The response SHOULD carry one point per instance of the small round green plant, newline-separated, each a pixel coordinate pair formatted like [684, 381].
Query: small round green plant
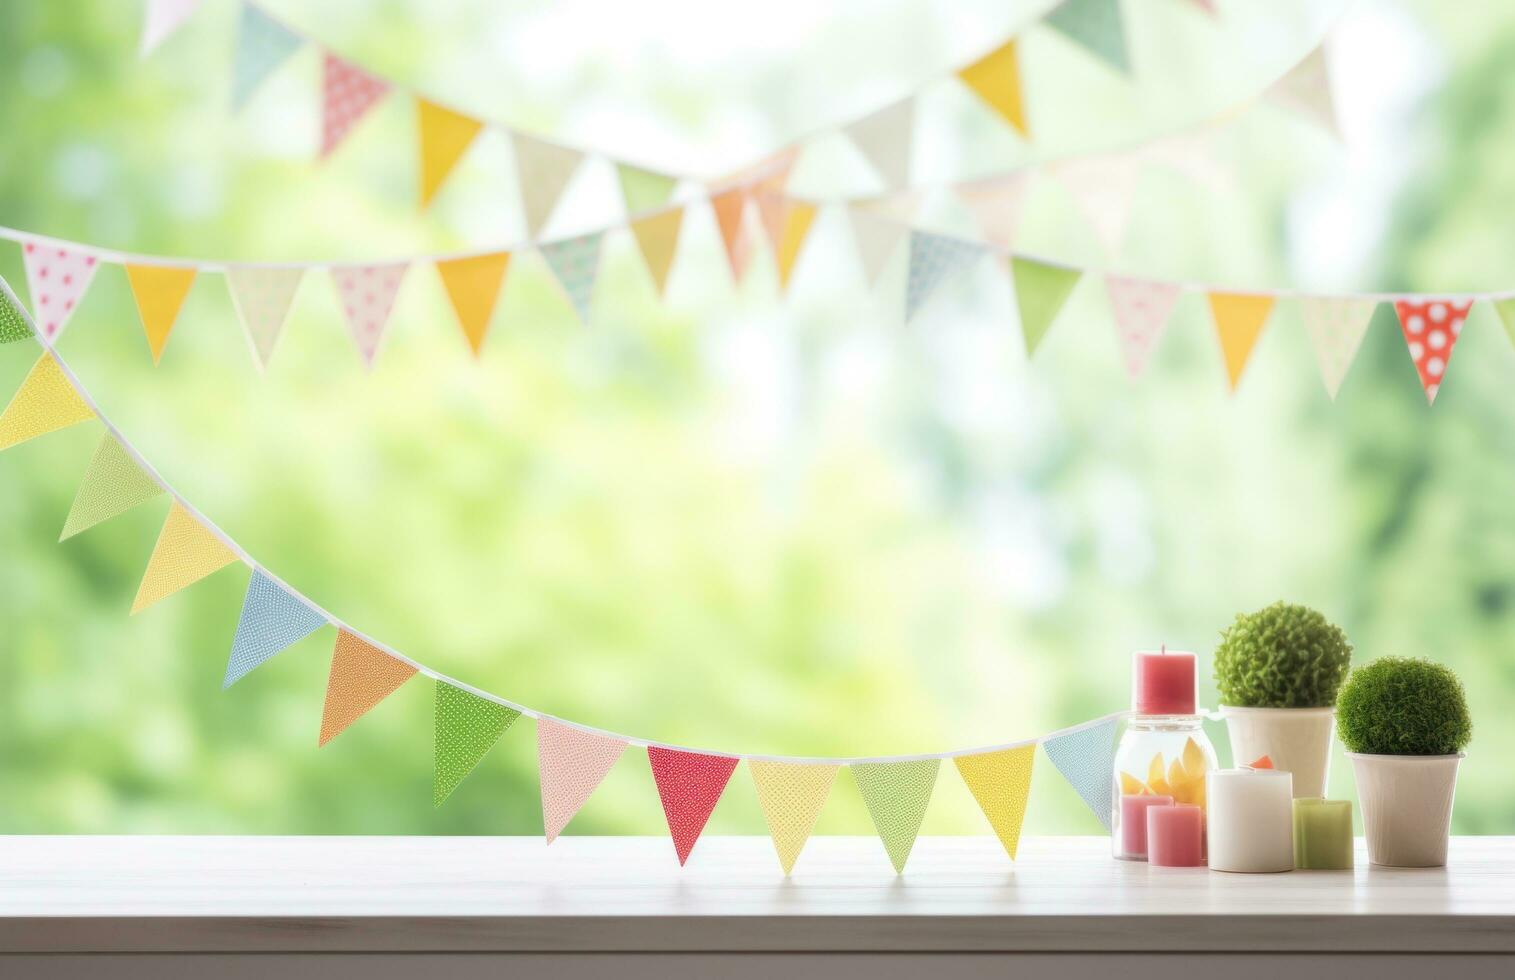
[1403, 706]
[1284, 656]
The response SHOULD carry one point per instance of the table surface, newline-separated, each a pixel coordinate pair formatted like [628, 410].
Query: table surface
[371, 894]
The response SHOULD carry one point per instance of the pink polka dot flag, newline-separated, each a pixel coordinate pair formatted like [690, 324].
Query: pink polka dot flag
[57, 278]
[347, 93]
[368, 296]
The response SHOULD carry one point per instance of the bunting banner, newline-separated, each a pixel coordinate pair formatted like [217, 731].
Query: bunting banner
[933, 259]
[576, 264]
[467, 726]
[56, 278]
[185, 553]
[886, 139]
[996, 78]
[571, 764]
[263, 44]
[1095, 24]
[543, 171]
[690, 785]
[1086, 757]
[1041, 289]
[262, 297]
[877, 238]
[444, 137]
[1141, 310]
[159, 291]
[361, 676]
[1431, 328]
[658, 238]
[112, 485]
[1336, 328]
[272, 620]
[643, 189]
[45, 402]
[347, 94]
[1001, 783]
[473, 285]
[791, 796]
[1239, 320]
[1306, 89]
[368, 297]
[897, 794]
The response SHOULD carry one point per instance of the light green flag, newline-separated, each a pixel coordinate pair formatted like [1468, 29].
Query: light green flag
[467, 727]
[112, 485]
[644, 189]
[897, 794]
[1040, 292]
[12, 326]
[1097, 25]
[1506, 310]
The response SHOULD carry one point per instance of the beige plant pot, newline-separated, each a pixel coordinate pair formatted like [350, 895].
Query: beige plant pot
[1406, 807]
[1298, 740]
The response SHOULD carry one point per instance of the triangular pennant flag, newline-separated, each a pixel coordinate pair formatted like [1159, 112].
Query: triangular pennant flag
[1086, 757]
[1097, 25]
[159, 291]
[444, 137]
[1141, 309]
[185, 553]
[1041, 290]
[1431, 328]
[1506, 310]
[272, 620]
[658, 237]
[576, 263]
[1336, 328]
[933, 258]
[877, 237]
[791, 795]
[542, 170]
[368, 297]
[262, 296]
[730, 207]
[1001, 781]
[997, 207]
[347, 93]
[996, 78]
[467, 727]
[45, 402]
[690, 785]
[897, 794]
[571, 763]
[798, 218]
[772, 210]
[112, 485]
[642, 189]
[263, 44]
[473, 285]
[361, 676]
[161, 19]
[885, 139]
[13, 325]
[1306, 89]
[1106, 190]
[56, 278]
[1239, 320]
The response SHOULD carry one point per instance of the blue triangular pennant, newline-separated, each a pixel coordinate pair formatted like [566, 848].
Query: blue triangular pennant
[576, 263]
[933, 258]
[272, 619]
[1086, 758]
[262, 45]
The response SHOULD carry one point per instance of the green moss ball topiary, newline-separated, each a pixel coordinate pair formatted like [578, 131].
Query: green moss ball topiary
[1403, 706]
[1284, 656]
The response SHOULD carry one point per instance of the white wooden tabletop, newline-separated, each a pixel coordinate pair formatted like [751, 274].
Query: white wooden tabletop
[392, 894]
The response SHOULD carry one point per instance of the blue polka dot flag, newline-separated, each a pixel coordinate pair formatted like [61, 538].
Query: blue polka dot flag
[576, 263]
[1086, 758]
[272, 619]
[933, 260]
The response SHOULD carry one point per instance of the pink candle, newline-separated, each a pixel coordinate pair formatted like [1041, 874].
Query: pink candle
[1175, 836]
[1133, 821]
[1163, 683]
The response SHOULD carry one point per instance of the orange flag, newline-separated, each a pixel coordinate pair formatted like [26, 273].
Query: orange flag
[1239, 320]
[729, 210]
[658, 238]
[473, 285]
[362, 675]
[444, 137]
[159, 291]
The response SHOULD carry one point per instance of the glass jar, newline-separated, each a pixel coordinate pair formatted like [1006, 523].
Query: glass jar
[1161, 759]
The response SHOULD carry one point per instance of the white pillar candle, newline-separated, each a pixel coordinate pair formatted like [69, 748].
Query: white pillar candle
[1251, 821]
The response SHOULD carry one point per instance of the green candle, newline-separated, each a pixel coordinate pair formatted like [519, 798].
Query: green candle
[1322, 834]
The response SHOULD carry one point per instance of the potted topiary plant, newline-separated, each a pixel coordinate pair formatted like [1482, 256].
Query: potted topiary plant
[1278, 671]
[1405, 723]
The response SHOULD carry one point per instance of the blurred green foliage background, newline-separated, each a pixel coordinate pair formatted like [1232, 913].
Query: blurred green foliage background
[735, 519]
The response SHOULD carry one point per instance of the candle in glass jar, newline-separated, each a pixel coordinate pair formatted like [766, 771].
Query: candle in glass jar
[1323, 834]
[1163, 683]
[1133, 822]
[1175, 836]
[1251, 819]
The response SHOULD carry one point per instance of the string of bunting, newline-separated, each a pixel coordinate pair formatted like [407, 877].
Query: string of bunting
[444, 133]
[572, 758]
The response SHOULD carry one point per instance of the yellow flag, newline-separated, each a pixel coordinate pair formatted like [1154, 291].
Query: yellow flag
[1001, 781]
[473, 285]
[159, 291]
[658, 237]
[1239, 319]
[44, 403]
[444, 136]
[791, 796]
[185, 553]
[796, 226]
[996, 78]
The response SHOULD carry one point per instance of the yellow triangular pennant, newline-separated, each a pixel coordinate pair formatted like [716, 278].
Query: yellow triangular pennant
[444, 137]
[185, 553]
[797, 223]
[473, 285]
[791, 796]
[1239, 319]
[1001, 781]
[658, 238]
[159, 291]
[44, 403]
[996, 78]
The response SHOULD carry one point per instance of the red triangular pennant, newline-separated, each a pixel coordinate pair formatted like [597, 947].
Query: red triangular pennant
[1431, 327]
[690, 785]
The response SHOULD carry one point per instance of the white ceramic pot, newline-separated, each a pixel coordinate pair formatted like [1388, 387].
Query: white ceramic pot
[1406, 807]
[1298, 740]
